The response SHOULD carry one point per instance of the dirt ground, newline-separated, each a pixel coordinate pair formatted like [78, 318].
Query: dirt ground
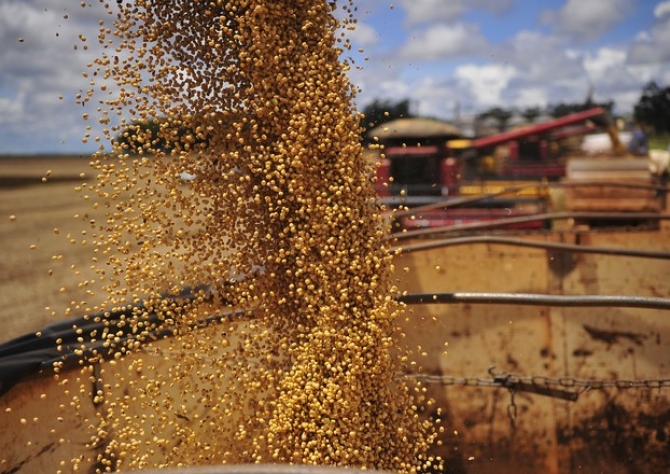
[35, 258]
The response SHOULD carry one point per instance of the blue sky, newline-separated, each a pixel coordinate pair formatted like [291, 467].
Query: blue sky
[512, 53]
[440, 54]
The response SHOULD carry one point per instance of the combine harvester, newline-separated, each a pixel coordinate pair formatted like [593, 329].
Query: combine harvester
[433, 177]
[541, 317]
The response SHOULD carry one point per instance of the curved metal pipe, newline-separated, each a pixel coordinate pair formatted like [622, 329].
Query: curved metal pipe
[549, 216]
[459, 201]
[610, 184]
[454, 202]
[531, 299]
[262, 469]
[487, 239]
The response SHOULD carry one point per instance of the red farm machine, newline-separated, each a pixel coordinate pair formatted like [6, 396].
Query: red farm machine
[432, 176]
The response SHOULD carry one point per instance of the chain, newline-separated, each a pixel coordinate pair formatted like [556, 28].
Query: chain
[549, 386]
[564, 388]
[511, 409]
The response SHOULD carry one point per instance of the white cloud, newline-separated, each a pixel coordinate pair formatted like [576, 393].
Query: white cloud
[369, 7]
[530, 69]
[662, 9]
[653, 46]
[39, 65]
[429, 11]
[587, 19]
[536, 96]
[643, 36]
[603, 62]
[542, 58]
[11, 108]
[553, 73]
[443, 41]
[626, 100]
[363, 35]
[395, 89]
[486, 82]
[434, 11]
[436, 97]
[494, 6]
[643, 73]
[441, 65]
[613, 78]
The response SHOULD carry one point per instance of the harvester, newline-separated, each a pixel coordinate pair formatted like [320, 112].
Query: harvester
[508, 174]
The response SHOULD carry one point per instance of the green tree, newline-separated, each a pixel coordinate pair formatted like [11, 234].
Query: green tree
[531, 114]
[567, 108]
[653, 108]
[142, 136]
[162, 135]
[499, 114]
[381, 111]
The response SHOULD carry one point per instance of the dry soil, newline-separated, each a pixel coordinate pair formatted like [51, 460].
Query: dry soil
[38, 205]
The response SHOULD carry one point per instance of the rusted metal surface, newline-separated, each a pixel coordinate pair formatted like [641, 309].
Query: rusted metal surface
[44, 428]
[530, 426]
[605, 430]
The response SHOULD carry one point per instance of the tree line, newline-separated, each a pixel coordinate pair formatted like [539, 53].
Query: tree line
[652, 111]
[653, 108]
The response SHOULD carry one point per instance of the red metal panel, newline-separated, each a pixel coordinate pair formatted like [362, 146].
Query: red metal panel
[410, 150]
[571, 119]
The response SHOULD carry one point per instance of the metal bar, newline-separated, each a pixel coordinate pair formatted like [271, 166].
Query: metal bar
[487, 239]
[459, 201]
[605, 183]
[454, 202]
[540, 384]
[550, 216]
[531, 299]
[536, 129]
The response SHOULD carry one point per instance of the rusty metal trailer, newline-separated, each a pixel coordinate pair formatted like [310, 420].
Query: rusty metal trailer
[544, 350]
[549, 366]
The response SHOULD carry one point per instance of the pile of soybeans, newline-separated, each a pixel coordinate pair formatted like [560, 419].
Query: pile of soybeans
[249, 101]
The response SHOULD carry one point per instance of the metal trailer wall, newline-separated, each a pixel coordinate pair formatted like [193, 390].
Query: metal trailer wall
[575, 415]
[587, 394]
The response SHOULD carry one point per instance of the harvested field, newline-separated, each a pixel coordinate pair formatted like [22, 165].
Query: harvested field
[39, 207]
